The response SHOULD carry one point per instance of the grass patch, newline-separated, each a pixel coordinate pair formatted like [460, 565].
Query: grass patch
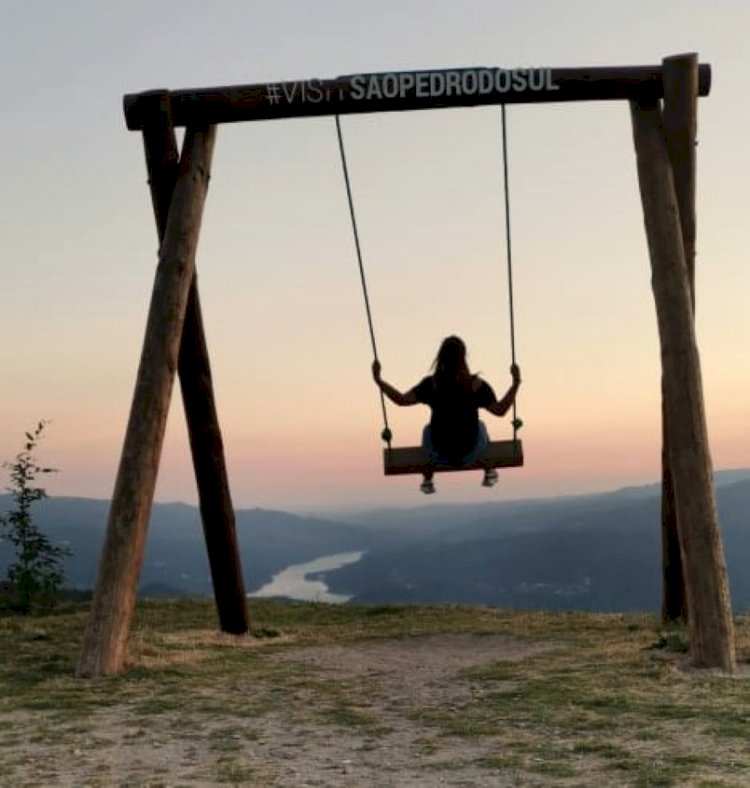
[234, 773]
[607, 703]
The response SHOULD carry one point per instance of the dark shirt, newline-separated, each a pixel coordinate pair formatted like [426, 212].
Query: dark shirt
[455, 414]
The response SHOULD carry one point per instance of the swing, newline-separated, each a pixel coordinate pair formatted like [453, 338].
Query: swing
[411, 459]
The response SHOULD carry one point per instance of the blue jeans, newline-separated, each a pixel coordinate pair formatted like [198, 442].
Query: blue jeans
[480, 447]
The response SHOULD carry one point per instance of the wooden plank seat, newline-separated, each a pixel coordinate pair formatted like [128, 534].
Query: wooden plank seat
[410, 459]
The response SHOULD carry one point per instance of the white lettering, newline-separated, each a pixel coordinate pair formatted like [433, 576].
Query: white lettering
[373, 89]
[314, 91]
[519, 79]
[486, 81]
[273, 94]
[469, 83]
[389, 86]
[536, 78]
[427, 84]
[453, 82]
[502, 80]
[405, 83]
[290, 92]
[437, 83]
[423, 84]
[358, 87]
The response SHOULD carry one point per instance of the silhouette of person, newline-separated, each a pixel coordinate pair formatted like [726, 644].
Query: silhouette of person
[455, 434]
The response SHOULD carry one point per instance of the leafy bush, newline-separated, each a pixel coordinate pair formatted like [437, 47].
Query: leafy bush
[35, 576]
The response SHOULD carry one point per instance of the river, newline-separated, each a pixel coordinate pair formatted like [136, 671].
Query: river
[294, 582]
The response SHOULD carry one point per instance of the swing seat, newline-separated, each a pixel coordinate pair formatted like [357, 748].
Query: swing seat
[410, 459]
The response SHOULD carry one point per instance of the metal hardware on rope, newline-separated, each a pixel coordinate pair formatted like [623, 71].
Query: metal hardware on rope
[386, 434]
[516, 422]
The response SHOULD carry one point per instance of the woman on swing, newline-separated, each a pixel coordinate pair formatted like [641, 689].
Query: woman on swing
[455, 435]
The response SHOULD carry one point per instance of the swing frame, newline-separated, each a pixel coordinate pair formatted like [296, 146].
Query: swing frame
[174, 341]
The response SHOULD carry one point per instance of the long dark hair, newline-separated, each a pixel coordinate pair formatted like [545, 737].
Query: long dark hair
[450, 363]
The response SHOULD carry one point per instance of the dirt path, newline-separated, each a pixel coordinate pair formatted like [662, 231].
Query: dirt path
[403, 678]
[380, 736]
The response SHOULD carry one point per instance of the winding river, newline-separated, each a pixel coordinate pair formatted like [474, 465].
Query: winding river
[295, 582]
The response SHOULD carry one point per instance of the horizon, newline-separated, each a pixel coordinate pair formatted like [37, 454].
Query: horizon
[424, 502]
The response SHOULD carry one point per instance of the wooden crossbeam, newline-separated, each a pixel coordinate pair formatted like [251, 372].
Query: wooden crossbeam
[411, 459]
[407, 90]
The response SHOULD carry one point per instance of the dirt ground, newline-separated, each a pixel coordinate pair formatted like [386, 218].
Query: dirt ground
[408, 674]
[290, 747]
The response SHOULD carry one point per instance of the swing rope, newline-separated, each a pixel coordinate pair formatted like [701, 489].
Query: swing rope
[516, 422]
[387, 435]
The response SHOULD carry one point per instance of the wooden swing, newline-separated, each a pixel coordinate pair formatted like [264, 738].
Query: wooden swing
[411, 459]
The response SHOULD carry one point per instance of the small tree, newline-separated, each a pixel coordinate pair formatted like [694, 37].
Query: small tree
[35, 576]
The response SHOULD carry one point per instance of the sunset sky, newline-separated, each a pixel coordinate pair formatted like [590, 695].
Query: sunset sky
[280, 290]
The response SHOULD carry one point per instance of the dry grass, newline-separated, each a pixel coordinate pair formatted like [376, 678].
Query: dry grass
[371, 696]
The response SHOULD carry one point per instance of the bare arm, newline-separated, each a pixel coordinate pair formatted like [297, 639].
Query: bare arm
[393, 394]
[503, 405]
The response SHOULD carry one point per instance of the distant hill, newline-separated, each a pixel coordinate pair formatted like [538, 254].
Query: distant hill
[176, 560]
[600, 553]
[592, 552]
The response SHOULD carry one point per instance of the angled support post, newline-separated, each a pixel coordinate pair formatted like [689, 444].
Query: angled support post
[712, 641]
[105, 638]
[680, 79]
[196, 384]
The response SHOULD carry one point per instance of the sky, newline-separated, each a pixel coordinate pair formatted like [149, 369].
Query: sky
[282, 304]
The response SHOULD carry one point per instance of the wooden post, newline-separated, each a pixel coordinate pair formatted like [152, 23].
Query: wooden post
[206, 444]
[680, 80]
[709, 611]
[105, 637]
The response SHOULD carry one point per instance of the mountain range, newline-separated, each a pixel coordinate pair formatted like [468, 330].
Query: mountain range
[589, 552]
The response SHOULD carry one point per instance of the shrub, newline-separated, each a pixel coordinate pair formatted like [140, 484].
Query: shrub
[35, 576]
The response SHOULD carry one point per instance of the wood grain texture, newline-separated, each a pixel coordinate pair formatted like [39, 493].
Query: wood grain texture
[105, 638]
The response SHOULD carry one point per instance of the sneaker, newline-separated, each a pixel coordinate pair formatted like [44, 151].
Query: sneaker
[490, 478]
[427, 487]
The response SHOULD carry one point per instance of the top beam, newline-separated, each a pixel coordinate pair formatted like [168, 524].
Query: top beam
[407, 90]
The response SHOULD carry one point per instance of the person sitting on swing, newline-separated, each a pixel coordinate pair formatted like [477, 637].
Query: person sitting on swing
[455, 435]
